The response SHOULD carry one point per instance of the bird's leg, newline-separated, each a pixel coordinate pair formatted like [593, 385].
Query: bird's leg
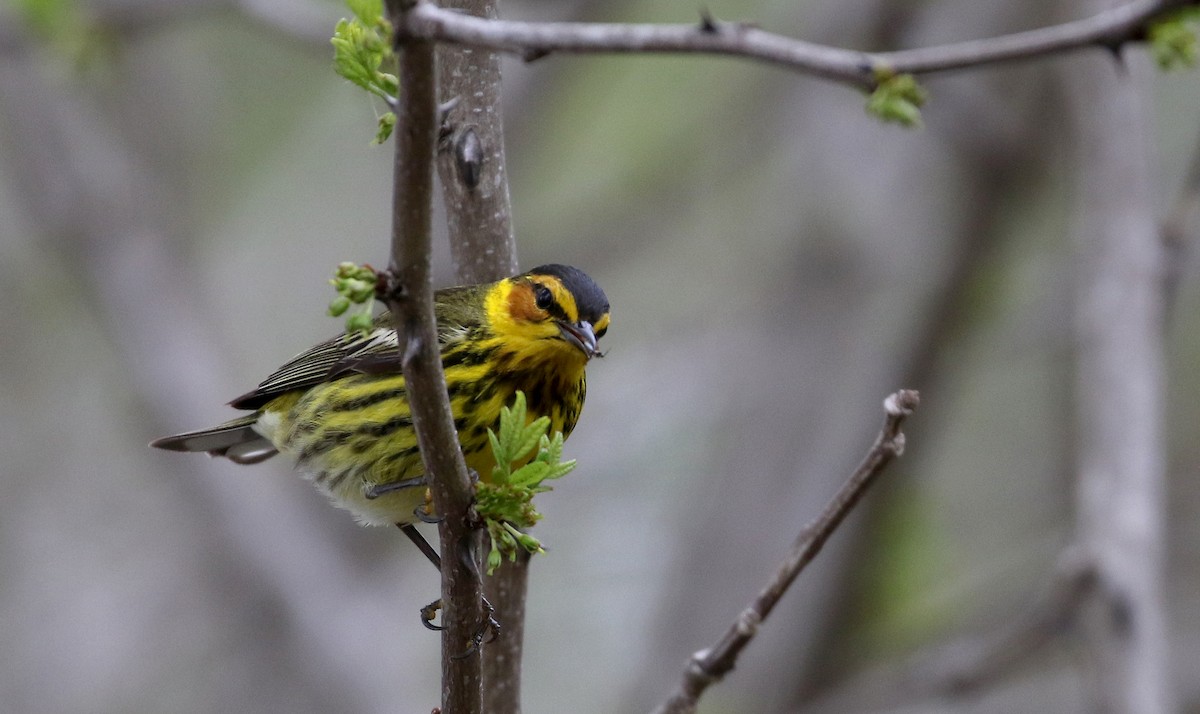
[422, 545]
[429, 612]
[489, 625]
[380, 489]
[422, 514]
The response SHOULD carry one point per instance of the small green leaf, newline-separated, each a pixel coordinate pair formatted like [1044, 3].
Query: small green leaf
[528, 437]
[526, 541]
[359, 322]
[502, 469]
[897, 98]
[559, 470]
[369, 11]
[550, 450]
[363, 55]
[387, 124]
[339, 306]
[389, 83]
[505, 502]
[530, 474]
[355, 285]
[1173, 39]
[511, 422]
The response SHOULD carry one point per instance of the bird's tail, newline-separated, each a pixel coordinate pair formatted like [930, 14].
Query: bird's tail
[236, 440]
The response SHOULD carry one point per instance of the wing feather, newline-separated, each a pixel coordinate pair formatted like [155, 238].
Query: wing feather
[458, 310]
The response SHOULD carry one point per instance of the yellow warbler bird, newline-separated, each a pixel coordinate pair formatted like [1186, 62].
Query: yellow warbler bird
[341, 408]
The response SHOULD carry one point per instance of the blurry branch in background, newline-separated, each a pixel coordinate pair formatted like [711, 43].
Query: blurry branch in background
[967, 665]
[408, 292]
[303, 21]
[1175, 232]
[1108, 593]
[532, 40]
[85, 195]
[709, 666]
[1119, 391]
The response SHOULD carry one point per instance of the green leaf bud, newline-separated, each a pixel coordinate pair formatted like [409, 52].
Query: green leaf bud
[360, 321]
[339, 306]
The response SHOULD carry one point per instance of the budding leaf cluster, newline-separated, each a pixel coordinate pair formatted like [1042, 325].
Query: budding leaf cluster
[1173, 38]
[362, 51]
[526, 457]
[355, 285]
[897, 98]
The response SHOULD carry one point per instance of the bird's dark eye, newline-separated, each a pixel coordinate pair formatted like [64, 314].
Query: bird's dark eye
[543, 297]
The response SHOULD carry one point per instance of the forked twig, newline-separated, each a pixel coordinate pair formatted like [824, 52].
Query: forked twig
[709, 666]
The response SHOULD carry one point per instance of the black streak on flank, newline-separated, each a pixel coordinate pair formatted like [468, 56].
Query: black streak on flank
[381, 429]
[366, 400]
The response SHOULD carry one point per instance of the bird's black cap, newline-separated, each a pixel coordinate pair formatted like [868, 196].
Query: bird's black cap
[589, 298]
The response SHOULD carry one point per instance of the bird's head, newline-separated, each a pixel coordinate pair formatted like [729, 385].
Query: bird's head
[552, 310]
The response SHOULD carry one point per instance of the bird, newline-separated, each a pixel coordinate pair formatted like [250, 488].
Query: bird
[341, 409]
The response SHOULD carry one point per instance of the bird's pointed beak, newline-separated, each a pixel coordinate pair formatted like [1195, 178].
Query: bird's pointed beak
[581, 335]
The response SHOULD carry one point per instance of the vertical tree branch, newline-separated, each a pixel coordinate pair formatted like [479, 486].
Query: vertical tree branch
[1119, 391]
[471, 159]
[472, 168]
[409, 295]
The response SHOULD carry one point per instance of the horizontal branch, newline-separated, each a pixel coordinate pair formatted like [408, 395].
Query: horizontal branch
[709, 666]
[532, 40]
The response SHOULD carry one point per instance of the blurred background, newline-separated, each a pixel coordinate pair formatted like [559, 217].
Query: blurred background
[178, 180]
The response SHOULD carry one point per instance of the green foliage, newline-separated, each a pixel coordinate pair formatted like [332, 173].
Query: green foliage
[897, 98]
[362, 50]
[506, 502]
[1173, 38]
[895, 606]
[387, 123]
[63, 25]
[48, 18]
[355, 285]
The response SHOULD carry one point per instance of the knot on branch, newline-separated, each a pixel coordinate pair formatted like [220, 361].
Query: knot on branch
[389, 288]
[468, 158]
[748, 622]
[698, 670]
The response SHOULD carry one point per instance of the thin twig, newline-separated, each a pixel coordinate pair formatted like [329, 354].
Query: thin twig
[533, 40]
[709, 666]
[409, 294]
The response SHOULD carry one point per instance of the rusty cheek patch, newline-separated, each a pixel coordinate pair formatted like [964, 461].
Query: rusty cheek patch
[521, 304]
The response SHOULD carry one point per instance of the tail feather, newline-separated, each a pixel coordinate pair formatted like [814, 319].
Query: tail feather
[237, 440]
